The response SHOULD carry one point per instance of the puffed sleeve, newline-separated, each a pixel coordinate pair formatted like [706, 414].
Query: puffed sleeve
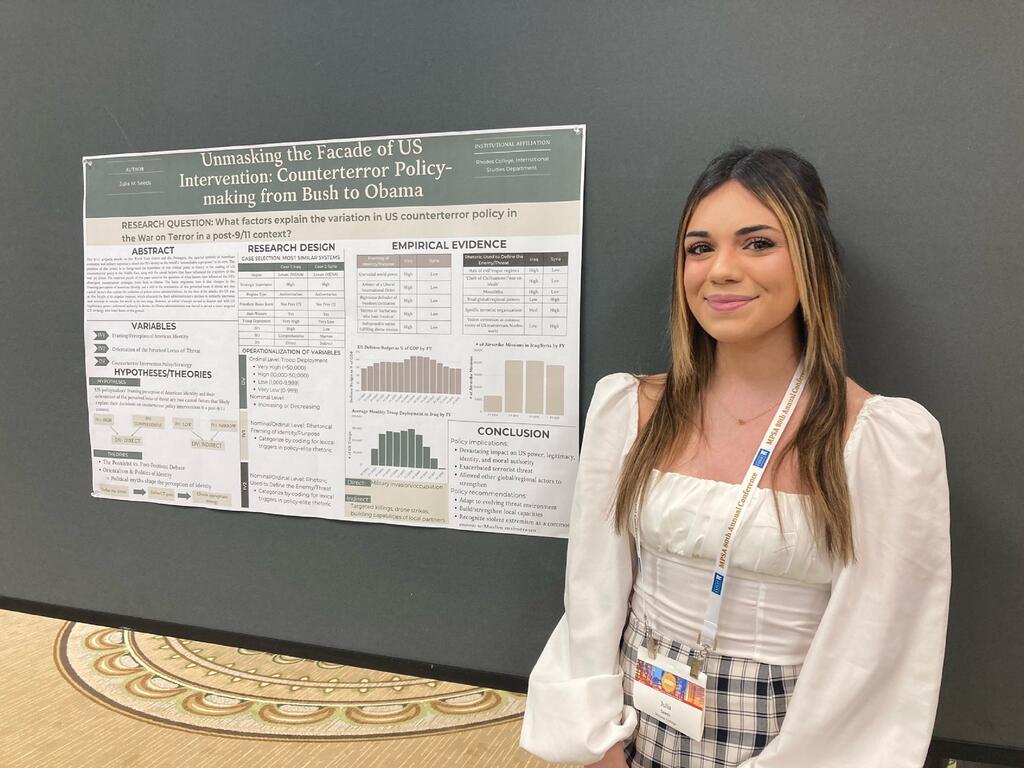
[869, 686]
[574, 704]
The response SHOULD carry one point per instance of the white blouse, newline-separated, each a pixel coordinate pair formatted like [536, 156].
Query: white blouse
[870, 635]
[779, 583]
[766, 620]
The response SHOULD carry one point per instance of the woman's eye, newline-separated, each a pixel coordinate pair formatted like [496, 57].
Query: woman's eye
[757, 244]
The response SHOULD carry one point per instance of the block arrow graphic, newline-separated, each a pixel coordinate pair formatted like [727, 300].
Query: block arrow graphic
[139, 491]
[101, 335]
[184, 495]
[101, 348]
[101, 361]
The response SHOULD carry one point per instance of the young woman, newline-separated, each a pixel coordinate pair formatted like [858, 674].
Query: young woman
[715, 617]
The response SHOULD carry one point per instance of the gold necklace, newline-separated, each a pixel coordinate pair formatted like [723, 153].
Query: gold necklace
[740, 421]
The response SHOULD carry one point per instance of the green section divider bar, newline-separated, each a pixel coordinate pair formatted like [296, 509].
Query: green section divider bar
[113, 381]
[106, 454]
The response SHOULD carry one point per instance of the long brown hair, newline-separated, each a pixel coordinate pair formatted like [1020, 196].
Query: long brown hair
[789, 185]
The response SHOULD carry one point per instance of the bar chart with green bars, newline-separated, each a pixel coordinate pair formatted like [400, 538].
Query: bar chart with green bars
[402, 448]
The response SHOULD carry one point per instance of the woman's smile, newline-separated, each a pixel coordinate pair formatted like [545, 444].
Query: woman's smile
[722, 303]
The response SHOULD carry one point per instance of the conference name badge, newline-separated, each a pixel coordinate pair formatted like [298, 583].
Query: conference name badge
[664, 689]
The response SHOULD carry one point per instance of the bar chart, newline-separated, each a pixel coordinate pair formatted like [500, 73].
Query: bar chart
[530, 386]
[402, 448]
[415, 373]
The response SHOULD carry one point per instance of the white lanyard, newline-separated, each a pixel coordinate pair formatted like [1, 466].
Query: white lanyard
[707, 637]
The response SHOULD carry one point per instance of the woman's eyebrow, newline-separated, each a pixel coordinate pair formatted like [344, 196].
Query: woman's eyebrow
[740, 231]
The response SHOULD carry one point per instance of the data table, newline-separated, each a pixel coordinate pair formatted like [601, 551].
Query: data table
[292, 304]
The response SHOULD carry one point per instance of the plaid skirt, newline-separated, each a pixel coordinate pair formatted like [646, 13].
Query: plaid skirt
[745, 705]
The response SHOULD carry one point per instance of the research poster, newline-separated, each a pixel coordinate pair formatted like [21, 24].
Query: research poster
[378, 329]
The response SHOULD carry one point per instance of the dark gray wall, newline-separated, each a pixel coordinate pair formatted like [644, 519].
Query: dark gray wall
[912, 113]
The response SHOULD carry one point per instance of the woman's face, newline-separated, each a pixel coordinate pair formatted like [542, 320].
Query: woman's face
[734, 247]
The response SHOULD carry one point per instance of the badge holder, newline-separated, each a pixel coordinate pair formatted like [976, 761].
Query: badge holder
[665, 689]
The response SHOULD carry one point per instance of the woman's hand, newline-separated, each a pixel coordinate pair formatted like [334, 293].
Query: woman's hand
[615, 757]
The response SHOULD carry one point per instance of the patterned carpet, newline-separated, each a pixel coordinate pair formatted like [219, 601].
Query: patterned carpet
[80, 696]
[238, 692]
[90, 697]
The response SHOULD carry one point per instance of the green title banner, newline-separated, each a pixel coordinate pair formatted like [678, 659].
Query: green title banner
[487, 167]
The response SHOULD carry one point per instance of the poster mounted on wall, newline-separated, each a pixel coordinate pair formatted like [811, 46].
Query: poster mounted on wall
[377, 329]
